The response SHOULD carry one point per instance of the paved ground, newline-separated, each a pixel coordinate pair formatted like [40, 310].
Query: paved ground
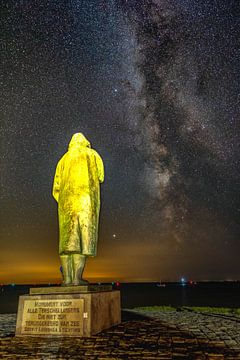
[166, 336]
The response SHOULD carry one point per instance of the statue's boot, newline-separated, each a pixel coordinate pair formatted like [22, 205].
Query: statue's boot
[66, 262]
[78, 262]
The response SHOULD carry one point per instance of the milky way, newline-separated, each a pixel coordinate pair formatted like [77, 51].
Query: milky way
[190, 103]
[154, 85]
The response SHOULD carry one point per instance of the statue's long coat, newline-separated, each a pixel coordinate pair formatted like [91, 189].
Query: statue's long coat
[76, 189]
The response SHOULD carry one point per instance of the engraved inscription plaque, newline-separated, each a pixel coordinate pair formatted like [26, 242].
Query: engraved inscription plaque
[53, 317]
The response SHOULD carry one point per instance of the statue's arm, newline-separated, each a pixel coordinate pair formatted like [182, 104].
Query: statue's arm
[56, 182]
[100, 167]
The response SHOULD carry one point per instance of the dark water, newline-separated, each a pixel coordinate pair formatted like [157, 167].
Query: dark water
[226, 294]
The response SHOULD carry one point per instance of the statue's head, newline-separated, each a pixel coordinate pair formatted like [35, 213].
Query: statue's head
[78, 140]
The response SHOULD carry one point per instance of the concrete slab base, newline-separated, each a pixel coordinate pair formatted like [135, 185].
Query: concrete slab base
[69, 289]
[77, 314]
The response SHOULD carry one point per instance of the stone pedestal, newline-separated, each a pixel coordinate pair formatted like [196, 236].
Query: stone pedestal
[68, 311]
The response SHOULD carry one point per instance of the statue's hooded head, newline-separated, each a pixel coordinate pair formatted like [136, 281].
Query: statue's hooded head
[78, 140]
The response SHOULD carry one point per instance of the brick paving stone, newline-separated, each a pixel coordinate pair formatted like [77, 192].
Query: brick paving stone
[215, 357]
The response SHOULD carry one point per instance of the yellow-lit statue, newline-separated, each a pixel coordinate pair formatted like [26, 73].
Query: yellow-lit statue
[76, 188]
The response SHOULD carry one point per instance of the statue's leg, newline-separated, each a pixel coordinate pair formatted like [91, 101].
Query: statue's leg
[78, 267]
[66, 261]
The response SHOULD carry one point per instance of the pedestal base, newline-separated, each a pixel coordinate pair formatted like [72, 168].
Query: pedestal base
[67, 314]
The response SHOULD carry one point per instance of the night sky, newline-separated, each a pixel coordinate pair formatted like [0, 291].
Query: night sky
[155, 87]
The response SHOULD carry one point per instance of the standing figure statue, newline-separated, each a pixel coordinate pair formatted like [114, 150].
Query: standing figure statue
[76, 188]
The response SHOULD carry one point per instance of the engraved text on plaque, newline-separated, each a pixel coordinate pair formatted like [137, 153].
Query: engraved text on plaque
[53, 317]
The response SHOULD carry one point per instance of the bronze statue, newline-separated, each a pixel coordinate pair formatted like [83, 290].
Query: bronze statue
[76, 188]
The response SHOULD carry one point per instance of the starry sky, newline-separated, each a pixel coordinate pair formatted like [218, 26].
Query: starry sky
[154, 85]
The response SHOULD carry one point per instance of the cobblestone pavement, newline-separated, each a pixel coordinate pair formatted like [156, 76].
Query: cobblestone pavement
[165, 336]
[216, 327]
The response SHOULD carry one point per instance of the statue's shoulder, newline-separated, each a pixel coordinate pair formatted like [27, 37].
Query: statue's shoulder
[64, 156]
[90, 152]
[94, 152]
[61, 161]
